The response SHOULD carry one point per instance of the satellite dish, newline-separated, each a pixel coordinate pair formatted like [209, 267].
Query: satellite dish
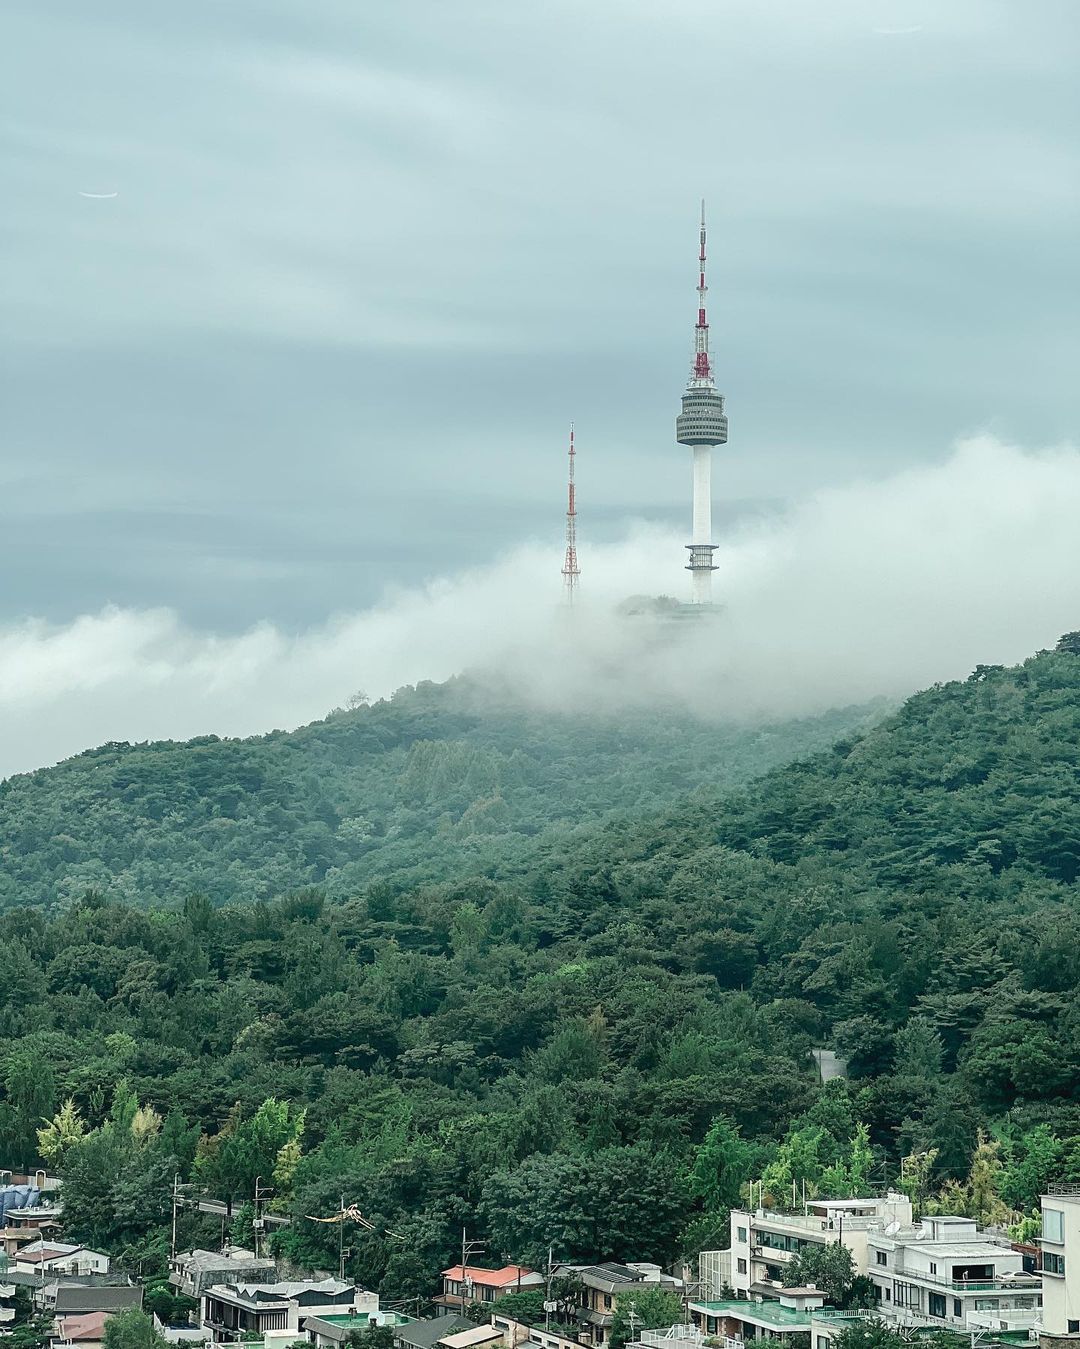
[892, 1229]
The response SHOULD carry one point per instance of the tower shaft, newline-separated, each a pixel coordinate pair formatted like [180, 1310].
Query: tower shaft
[700, 546]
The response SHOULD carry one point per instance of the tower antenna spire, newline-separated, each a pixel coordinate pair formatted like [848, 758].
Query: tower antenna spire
[571, 571]
[701, 330]
[701, 424]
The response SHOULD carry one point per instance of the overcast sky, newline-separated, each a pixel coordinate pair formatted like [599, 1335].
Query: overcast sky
[367, 259]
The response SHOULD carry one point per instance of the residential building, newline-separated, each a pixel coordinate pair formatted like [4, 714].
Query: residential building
[1060, 1266]
[22, 1225]
[331, 1331]
[826, 1323]
[944, 1271]
[59, 1257]
[100, 1292]
[602, 1287]
[470, 1283]
[79, 1299]
[192, 1271]
[7, 1296]
[86, 1331]
[518, 1335]
[473, 1338]
[741, 1320]
[427, 1334]
[764, 1241]
[271, 1311]
[673, 1337]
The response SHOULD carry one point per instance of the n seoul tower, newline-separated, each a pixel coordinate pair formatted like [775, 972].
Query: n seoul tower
[701, 425]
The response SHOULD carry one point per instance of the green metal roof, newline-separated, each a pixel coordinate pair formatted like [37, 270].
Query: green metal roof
[767, 1313]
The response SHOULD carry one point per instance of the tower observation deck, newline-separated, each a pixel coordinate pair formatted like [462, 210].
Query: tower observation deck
[701, 424]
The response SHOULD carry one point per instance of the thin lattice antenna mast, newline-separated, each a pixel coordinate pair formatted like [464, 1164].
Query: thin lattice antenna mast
[702, 370]
[571, 571]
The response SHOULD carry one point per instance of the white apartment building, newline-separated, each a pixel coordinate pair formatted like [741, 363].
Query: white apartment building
[1060, 1265]
[945, 1272]
[763, 1242]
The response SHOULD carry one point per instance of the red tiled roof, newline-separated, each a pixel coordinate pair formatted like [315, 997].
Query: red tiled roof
[91, 1326]
[494, 1278]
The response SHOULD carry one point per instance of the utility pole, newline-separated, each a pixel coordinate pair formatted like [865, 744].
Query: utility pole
[341, 1243]
[467, 1248]
[547, 1294]
[693, 1288]
[257, 1223]
[175, 1201]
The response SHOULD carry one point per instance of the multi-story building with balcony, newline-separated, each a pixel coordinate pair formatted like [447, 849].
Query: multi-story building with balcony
[1061, 1266]
[276, 1311]
[763, 1241]
[604, 1286]
[945, 1272]
[734, 1323]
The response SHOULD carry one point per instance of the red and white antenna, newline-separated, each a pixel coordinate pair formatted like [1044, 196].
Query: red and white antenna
[571, 571]
[701, 330]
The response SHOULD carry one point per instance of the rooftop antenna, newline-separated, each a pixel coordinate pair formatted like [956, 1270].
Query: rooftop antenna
[571, 571]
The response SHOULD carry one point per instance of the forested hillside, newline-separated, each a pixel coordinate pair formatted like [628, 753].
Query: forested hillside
[598, 1044]
[436, 782]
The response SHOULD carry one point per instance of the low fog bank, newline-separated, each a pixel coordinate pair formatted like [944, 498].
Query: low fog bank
[866, 590]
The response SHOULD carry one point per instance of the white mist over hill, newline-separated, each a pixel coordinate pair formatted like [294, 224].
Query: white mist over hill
[875, 588]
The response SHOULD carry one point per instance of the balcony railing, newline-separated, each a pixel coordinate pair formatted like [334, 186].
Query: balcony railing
[813, 1222]
[1020, 1282]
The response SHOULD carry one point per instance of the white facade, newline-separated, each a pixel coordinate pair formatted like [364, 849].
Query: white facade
[763, 1242]
[274, 1310]
[58, 1257]
[945, 1272]
[1061, 1262]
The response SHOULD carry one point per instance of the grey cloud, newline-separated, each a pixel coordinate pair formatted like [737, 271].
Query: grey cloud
[367, 261]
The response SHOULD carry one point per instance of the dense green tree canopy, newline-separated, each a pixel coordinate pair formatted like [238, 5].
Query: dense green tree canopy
[589, 1040]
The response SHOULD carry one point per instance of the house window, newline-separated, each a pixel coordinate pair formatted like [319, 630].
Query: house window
[1053, 1264]
[881, 1257]
[740, 1233]
[1053, 1225]
[607, 1302]
[957, 1308]
[1074, 1327]
[937, 1304]
[823, 1342]
[888, 1294]
[740, 1265]
[933, 1267]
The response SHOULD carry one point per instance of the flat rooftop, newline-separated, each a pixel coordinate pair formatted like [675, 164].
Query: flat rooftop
[362, 1318]
[767, 1313]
